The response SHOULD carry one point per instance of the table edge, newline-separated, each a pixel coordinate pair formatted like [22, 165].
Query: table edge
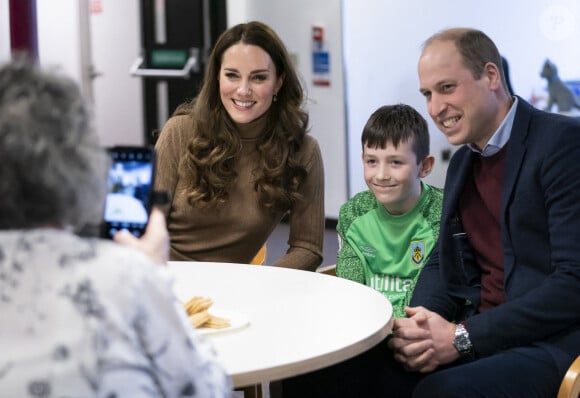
[312, 364]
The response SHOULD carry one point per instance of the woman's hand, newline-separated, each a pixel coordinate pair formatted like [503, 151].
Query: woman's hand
[155, 240]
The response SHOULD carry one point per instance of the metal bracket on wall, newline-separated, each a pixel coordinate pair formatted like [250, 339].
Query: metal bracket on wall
[192, 64]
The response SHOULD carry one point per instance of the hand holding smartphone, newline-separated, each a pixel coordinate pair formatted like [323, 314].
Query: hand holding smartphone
[130, 190]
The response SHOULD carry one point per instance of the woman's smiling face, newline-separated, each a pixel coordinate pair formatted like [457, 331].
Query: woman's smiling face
[248, 82]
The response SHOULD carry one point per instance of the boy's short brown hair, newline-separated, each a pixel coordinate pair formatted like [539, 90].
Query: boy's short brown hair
[395, 124]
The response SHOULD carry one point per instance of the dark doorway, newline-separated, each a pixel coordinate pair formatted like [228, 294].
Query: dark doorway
[176, 37]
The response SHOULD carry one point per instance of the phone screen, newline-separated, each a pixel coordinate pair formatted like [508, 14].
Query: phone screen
[130, 185]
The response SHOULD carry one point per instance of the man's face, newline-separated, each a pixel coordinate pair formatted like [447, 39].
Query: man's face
[464, 109]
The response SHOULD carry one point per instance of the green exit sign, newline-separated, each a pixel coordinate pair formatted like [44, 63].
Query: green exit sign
[162, 58]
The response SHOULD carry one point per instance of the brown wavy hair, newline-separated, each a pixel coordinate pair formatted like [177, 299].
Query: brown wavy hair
[210, 160]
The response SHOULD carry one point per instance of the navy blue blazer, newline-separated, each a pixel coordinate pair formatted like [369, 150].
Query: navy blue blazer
[540, 232]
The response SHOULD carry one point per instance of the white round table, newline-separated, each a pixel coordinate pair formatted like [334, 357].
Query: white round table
[298, 321]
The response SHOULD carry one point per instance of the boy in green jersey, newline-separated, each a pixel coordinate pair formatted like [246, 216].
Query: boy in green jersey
[387, 232]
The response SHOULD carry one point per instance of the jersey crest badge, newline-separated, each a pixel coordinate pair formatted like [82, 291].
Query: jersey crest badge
[418, 251]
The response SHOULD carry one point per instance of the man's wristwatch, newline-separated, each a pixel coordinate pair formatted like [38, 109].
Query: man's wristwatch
[462, 342]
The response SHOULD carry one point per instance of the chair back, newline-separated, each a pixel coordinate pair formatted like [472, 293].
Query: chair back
[327, 269]
[260, 257]
[570, 387]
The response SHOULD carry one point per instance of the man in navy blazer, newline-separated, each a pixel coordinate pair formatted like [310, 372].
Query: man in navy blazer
[497, 309]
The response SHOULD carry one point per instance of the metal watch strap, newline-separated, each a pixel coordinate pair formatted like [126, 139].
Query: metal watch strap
[462, 343]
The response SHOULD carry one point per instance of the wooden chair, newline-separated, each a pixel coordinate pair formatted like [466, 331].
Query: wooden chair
[327, 269]
[570, 387]
[260, 257]
[255, 391]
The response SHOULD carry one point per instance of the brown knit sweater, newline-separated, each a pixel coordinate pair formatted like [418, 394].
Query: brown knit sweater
[236, 231]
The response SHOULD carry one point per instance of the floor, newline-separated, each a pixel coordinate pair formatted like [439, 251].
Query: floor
[278, 243]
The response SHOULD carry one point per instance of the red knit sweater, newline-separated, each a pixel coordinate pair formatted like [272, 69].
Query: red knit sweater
[480, 207]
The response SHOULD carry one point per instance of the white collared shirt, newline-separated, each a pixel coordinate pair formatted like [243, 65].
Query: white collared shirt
[501, 135]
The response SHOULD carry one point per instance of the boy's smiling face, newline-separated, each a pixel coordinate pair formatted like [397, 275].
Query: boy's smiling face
[394, 176]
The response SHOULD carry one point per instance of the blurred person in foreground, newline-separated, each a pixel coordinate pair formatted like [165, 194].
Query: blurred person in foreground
[81, 316]
[505, 318]
[238, 158]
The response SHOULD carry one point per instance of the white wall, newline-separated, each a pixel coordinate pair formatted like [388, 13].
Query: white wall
[293, 20]
[237, 11]
[116, 42]
[4, 31]
[114, 38]
[59, 35]
[382, 40]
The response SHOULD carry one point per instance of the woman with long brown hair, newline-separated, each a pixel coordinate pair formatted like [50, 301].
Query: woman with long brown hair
[238, 157]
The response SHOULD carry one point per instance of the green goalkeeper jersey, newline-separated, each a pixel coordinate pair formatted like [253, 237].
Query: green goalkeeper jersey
[385, 251]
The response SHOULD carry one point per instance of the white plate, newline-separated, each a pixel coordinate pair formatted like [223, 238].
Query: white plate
[237, 321]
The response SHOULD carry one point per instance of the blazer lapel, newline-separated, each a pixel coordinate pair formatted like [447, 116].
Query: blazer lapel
[455, 180]
[516, 151]
[454, 273]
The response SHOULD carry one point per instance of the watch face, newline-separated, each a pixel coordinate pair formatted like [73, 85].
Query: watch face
[461, 341]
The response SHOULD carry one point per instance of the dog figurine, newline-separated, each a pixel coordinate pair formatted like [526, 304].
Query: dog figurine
[559, 93]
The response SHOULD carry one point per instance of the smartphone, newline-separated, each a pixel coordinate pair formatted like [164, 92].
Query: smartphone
[130, 190]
